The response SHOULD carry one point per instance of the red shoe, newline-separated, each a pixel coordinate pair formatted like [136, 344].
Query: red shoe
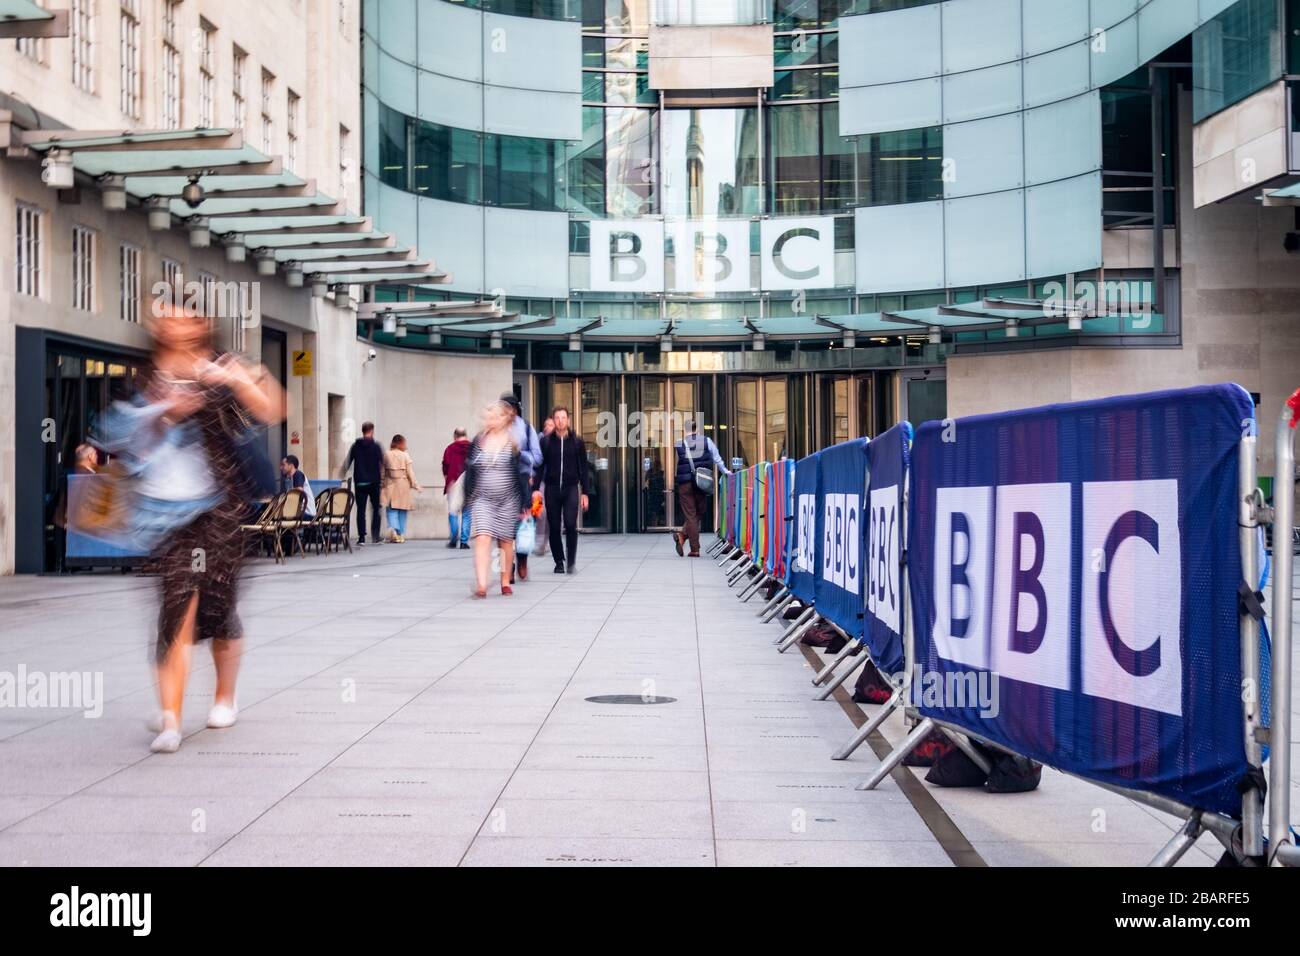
[507, 590]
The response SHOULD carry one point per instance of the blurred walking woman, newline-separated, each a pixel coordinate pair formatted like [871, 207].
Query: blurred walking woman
[201, 405]
[398, 484]
[495, 493]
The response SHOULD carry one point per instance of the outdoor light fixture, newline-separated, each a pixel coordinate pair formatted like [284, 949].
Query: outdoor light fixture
[495, 341]
[1013, 328]
[342, 298]
[265, 262]
[293, 275]
[236, 250]
[160, 213]
[400, 331]
[936, 335]
[760, 343]
[200, 235]
[318, 288]
[575, 343]
[666, 343]
[1075, 320]
[192, 194]
[113, 193]
[435, 336]
[56, 169]
[850, 339]
[390, 323]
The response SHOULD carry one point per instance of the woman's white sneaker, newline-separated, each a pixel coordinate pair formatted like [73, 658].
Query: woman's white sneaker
[222, 716]
[167, 742]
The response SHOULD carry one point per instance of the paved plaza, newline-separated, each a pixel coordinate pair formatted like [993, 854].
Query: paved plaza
[388, 719]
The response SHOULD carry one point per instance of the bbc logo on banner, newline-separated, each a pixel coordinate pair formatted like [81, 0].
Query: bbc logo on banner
[805, 545]
[883, 586]
[840, 564]
[1002, 559]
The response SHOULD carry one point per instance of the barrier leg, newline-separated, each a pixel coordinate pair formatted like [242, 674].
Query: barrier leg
[780, 607]
[865, 731]
[739, 572]
[774, 600]
[825, 672]
[729, 553]
[1180, 842]
[716, 546]
[854, 666]
[798, 633]
[796, 623]
[749, 592]
[895, 756]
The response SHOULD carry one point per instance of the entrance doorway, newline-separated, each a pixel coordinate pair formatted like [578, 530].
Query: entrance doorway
[586, 398]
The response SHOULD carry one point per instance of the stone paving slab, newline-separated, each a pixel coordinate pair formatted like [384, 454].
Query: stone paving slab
[388, 719]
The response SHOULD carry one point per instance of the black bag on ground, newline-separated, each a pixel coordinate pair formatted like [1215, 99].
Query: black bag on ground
[1011, 773]
[931, 748]
[871, 688]
[793, 611]
[955, 769]
[819, 635]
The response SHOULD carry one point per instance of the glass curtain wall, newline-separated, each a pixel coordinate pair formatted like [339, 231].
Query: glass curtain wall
[1235, 54]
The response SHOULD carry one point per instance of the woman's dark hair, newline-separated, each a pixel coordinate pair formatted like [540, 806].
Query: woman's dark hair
[397, 440]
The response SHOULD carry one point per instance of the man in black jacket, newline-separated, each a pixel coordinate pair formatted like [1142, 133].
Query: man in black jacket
[564, 482]
[366, 459]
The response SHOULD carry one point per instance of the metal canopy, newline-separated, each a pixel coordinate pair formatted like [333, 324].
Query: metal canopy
[23, 18]
[248, 198]
[1286, 196]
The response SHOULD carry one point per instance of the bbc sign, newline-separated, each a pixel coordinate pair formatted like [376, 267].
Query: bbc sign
[711, 255]
[1004, 564]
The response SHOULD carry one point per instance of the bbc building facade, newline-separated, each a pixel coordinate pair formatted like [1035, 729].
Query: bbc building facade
[804, 220]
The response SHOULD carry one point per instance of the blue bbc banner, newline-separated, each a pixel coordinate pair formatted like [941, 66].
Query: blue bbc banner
[840, 573]
[1074, 573]
[804, 557]
[887, 466]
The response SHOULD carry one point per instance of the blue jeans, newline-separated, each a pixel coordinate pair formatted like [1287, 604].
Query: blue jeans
[459, 524]
[397, 520]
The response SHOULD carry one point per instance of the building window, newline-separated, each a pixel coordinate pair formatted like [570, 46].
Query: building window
[207, 76]
[81, 28]
[128, 273]
[28, 250]
[1235, 54]
[128, 46]
[32, 47]
[171, 271]
[171, 100]
[237, 89]
[345, 165]
[268, 123]
[291, 131]
[83, 268]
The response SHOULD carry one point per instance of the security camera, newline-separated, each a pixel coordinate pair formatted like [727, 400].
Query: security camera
[370, 355]
[57, 171]
[193, 194]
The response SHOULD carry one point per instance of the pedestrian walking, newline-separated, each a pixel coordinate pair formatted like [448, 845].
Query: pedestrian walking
[366, 459]
[495, 493]
[564, 478]
[398, 485]
[539, 496]
[453, 466]
[530, 459]
[696, 456]
[194, 471]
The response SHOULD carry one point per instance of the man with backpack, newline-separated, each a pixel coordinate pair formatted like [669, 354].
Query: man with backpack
[696, 455]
